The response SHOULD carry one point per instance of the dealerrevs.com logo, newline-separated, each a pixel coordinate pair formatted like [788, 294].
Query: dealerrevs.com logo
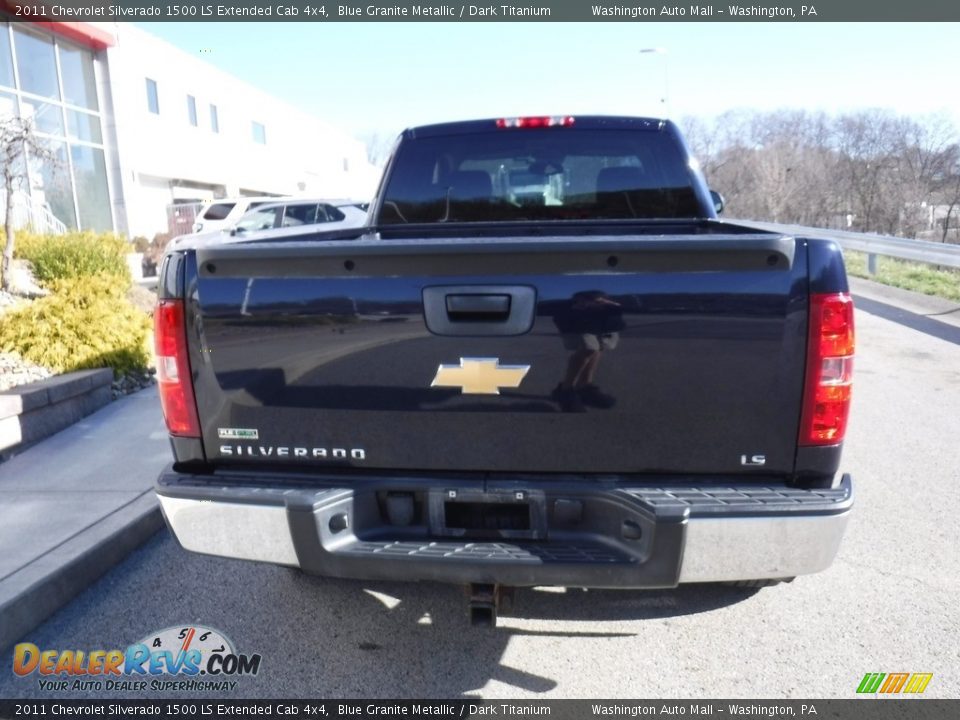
[199, 658]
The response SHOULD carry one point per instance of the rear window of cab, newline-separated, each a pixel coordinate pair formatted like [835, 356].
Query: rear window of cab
[549, 174]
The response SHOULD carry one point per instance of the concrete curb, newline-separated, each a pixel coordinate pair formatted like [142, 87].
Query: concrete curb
[30, 413]
[36, 591]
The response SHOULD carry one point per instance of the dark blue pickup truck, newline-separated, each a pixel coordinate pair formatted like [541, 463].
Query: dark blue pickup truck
[544, 361]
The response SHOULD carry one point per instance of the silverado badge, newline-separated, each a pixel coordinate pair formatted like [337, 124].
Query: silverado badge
[480, 376]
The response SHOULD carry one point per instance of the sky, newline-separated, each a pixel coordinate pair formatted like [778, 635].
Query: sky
[381, 77]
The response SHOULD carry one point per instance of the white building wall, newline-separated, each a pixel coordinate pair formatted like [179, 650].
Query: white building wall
[302, 155]
[147, 206]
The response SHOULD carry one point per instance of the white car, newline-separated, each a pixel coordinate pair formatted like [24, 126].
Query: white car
[279, 219]
[333, 214]
[224, 213]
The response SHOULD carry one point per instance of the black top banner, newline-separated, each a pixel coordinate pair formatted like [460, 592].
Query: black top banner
[459, 709]
[637, 11]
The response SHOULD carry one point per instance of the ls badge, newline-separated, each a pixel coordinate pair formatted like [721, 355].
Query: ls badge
[480, 376]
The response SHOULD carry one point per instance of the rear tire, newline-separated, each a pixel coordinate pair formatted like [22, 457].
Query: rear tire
[762, 583]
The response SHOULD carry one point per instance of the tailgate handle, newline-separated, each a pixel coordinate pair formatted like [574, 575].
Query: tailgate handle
[479, 309]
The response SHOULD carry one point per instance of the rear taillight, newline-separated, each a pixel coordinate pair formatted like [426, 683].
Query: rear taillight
[173, 369]
[535, 122]
[826, 392]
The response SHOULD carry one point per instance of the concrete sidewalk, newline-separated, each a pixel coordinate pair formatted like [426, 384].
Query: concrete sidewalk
[74, 505]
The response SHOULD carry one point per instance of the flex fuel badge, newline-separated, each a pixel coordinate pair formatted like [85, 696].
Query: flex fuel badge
[174, 659]
[238, 433]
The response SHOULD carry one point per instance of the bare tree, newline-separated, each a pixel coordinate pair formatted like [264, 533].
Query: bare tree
[867, 143]
[18, 144]
[947, 186]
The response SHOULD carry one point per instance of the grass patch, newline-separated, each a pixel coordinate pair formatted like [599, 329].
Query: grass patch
[919, 277]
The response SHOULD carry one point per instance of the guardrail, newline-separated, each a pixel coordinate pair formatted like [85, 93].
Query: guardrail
[923, 251]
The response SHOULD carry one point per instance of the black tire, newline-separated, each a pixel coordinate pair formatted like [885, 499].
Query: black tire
[762, 583]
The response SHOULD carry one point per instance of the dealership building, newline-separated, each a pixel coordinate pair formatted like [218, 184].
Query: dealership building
[139, 127]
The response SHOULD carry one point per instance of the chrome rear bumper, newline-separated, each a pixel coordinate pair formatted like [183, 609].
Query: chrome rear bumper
[624, 536]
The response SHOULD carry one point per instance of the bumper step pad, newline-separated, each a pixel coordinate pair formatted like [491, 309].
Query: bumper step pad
[745, 498]
[590, 553]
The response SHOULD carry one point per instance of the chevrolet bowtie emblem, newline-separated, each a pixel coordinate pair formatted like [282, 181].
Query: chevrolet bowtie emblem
[480, 376]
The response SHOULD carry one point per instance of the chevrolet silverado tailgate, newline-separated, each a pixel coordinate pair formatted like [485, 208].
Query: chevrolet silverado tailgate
[463, 353]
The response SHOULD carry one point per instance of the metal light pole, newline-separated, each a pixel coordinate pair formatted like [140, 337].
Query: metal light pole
[665, 98]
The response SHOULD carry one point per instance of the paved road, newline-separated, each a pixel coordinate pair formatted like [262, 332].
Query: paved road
[888, 604]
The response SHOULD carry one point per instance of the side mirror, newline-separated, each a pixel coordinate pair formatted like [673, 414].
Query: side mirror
[718, 201]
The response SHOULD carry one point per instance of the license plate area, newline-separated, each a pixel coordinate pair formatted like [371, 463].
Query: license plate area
[468, 514]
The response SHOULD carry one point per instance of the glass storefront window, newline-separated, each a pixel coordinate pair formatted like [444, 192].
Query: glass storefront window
[6, 61]
[47, 118]
[73, 183]
[36, 63]
[8, 105]
[90, 180]
[19, 174]
[79, 81]
[84, 126]
[50, 184]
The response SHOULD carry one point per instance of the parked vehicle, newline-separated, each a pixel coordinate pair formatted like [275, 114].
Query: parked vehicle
[280, 219]
[298, 212]
[544, 361]
[224, 213]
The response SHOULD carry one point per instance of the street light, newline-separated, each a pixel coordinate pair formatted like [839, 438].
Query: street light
[665, 99]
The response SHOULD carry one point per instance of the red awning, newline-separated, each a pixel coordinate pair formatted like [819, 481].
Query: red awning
[82, 33]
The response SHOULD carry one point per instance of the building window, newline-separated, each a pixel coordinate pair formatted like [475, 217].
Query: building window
[47, 117]
[214, 120]
[346, 165]
[8, 104]
[153, 101]
[93, 197]
[192, 109]
[50, 184]
[259, 134]
[79, 80]
[37, 64]
[57, 92]
[84, 127]
[6, 60]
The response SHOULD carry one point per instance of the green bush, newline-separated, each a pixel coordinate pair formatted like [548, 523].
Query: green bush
[74, 255]
[140, 244]
[86, 322]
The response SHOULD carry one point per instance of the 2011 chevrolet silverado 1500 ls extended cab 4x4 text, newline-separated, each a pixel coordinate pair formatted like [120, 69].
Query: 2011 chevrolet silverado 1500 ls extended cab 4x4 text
[544, 361]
